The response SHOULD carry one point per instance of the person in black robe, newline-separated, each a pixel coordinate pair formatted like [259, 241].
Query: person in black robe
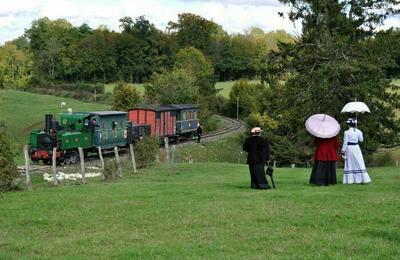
[199, 132]
[257, 149]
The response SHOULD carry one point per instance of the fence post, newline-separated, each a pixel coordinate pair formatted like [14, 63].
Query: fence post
[133, 158]
[82, 159]
[274, 164]
[166, 145]
[102, 161]
[55, 182]
[173, 154]
[27, 177]
[118, 161]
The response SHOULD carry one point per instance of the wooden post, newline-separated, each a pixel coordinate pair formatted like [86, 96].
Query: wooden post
[274, 164]
[27, 177]
[55, 182]
[166, 145]
[173, 154]
[102, 161]
[133, 158]
[118, 161]
[82, 159]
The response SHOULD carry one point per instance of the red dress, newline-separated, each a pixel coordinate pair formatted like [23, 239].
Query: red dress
[326, 149]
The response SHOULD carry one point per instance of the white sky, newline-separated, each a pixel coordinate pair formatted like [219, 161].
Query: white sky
[235, 16]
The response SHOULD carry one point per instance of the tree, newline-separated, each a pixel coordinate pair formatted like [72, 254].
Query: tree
[8, 169]
[15, 66]
[173, 87]
[125, 97]
[333, 62]
[194, 62]
[49, 41]
[194, 30]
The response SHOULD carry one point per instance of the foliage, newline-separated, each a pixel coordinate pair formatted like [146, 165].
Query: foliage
[194, 62]
[175, 87]
[125, 97]
[335, 60]
[15, 67]
[146, 150]
[194, 30]
[252, 98]
[57, 51]
[110, 170]
[8, 169]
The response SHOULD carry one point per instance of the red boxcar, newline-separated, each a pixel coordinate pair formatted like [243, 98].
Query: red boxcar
[162, 120]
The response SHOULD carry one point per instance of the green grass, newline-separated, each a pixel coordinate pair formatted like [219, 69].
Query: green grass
[23, 111]
[109, 88]
[228, 149]
[207, 211]
[224, 86]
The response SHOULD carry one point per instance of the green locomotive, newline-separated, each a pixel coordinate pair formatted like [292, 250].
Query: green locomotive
[88, 130]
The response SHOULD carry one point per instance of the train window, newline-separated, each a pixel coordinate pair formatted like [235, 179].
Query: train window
[195, 114]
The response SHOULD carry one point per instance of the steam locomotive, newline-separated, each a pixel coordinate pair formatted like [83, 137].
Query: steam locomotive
[107, 129]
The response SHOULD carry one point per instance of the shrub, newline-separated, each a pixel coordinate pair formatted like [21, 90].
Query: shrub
[146, 150]
[8, 169]
[381, 159]
[110, 170]
[125, 97]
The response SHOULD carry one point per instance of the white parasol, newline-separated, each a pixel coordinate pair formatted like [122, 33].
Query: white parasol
[355, 107]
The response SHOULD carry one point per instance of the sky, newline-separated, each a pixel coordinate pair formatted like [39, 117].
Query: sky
[235, 16]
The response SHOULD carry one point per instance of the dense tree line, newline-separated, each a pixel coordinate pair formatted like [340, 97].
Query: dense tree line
[57, 51]
[339, 57]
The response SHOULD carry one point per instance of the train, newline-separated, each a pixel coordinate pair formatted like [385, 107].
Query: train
[108, 129]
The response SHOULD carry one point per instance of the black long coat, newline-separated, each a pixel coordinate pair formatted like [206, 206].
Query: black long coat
[257, 148]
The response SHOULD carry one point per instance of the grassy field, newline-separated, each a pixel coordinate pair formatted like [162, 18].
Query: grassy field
[23, 111]
[204, 211]
[224, 86]
[109, 88]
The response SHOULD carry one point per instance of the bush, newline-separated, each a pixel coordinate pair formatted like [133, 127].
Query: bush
[381, 159]
[8, 169]
[146, 150]
[110, 170]
[125, 97]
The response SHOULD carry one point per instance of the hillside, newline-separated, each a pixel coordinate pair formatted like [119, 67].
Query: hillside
[24, 111]
[207, 211]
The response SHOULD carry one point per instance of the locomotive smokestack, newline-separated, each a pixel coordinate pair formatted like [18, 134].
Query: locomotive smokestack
[49, 118]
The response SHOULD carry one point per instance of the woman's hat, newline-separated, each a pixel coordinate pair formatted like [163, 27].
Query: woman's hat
[256, 130]
[351, 121]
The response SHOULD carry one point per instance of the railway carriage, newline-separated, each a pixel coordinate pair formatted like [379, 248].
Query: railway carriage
[177, 121]
[186, 119]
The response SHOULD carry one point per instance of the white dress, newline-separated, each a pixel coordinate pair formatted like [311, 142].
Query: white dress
[354, 166]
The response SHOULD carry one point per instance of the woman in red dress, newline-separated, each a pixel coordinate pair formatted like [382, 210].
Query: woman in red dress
[326, 155]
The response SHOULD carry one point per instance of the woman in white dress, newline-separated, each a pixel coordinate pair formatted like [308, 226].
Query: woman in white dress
[354, 166]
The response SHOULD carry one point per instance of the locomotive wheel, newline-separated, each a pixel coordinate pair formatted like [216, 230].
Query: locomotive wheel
[46, 161]
[71, 158]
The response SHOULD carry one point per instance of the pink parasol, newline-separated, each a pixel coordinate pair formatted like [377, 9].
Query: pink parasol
[323, 126]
